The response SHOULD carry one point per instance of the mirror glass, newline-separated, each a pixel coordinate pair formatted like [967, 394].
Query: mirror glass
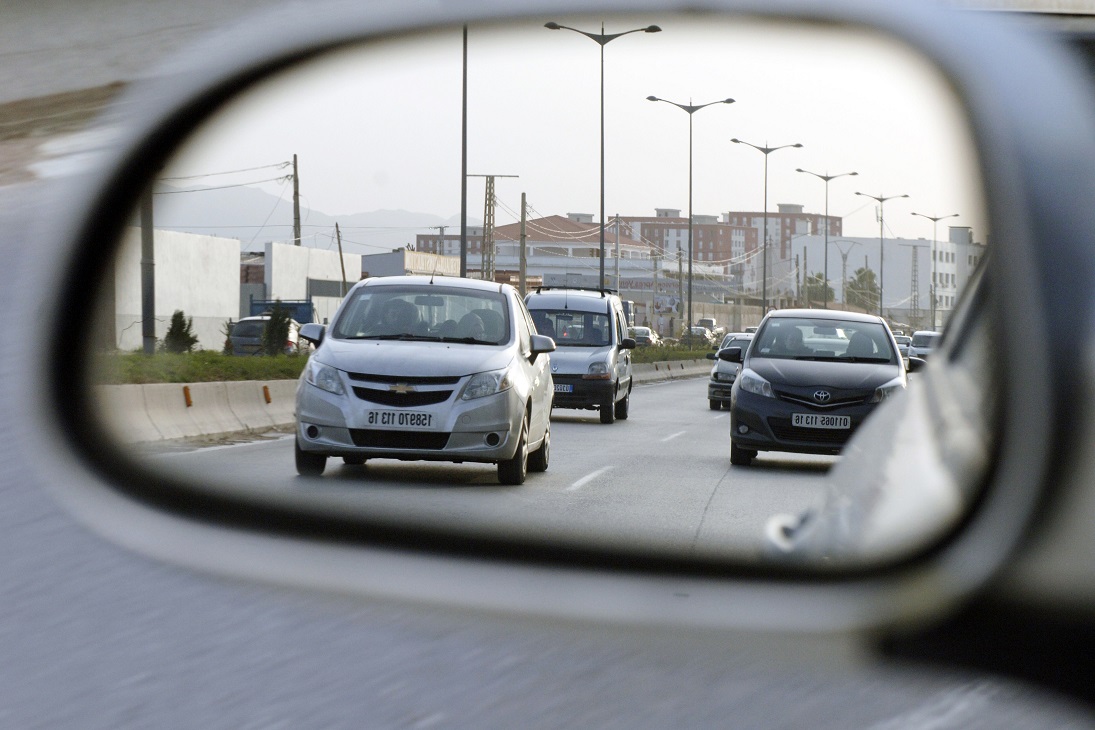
[850, 150]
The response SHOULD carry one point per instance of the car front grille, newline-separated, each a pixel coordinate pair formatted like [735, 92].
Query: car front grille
[407, 380]
[838, 401]
[396, 399]
[399, 439]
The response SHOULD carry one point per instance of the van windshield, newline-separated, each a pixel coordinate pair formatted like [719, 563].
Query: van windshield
[573, 328]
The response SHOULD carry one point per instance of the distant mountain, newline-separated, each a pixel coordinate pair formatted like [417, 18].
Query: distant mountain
[255, 217]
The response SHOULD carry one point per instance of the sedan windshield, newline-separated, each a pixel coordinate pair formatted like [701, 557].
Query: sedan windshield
[427, 312]
[815, 339]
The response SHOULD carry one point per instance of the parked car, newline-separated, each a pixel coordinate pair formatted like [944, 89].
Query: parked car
[808, 380]
[592, 361]
[246, 336]
[644, 336]
[697, 336]
[923, 342]
[417, 368]
[712, 325]
[723, 372]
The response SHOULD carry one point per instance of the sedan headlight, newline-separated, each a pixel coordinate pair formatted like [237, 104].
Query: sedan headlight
[489, 383]
[324, 377]
[888, 390]
[750, 382]
[598, 371]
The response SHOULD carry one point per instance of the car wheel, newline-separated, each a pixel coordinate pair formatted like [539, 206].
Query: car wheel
[538, 460]
[514, 471]
[354, 460]
[713, 404]
[622, 407]
[309, 464]
[740, 456]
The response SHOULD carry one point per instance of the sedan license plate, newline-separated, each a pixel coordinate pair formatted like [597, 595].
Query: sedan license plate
[561, 388]
[814, 420]
[410, 420]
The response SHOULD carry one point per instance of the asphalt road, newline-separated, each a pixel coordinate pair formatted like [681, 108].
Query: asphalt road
[661, 479]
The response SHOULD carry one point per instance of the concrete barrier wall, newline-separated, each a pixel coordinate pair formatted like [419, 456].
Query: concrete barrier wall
[161, 412]
[167, 411]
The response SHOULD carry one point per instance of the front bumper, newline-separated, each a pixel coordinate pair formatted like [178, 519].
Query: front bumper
[759, 423]
[582, 393]
[481, 430]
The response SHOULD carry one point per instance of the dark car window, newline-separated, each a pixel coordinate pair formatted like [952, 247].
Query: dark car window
[248, 329]
[814, 339]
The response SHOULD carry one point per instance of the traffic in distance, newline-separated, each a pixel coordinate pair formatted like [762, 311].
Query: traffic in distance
[452, 369]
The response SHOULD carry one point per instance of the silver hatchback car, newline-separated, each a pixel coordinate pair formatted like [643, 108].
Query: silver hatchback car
[427, 368]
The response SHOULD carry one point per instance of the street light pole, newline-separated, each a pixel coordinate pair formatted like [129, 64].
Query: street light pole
[690, 109]
[881, 199]
[764, 238]
[935, 220]
[826, 178]
[602, 39]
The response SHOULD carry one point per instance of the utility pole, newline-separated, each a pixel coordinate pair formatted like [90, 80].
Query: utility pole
[486, 272]
[524, 239]
[342, 263]
[914, 308]
[148, 278]
[618, 287]
[680, 281]
[296, 203]
[464, 162]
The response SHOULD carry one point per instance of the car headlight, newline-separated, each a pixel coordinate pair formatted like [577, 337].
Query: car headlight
[324, 377]
[597, 371]
[750, 382]
[883, 392]
[724, 377]
[489, 383]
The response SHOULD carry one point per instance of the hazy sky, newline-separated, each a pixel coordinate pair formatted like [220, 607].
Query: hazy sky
[379, 128]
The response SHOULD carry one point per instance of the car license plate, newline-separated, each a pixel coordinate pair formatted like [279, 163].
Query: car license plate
[564, 388]
[410, 420]
[814, 420]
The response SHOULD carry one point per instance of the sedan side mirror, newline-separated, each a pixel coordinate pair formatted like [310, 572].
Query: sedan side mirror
[313, 332]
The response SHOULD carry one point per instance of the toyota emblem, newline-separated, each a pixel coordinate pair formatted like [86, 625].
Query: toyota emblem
[822, 396]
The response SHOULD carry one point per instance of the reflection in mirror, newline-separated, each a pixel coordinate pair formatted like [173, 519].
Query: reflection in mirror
[831, 181]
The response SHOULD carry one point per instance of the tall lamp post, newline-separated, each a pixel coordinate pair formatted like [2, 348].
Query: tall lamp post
[826, 178]
[690, 109]
[935, 220]
[844, 267]
[764, 237]
[881, 200]
[602, 39]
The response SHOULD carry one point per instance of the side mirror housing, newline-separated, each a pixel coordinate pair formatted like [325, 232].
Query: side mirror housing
[313, 332]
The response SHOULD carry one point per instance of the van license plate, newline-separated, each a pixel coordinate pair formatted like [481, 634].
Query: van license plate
[814, 420]
[564, 388]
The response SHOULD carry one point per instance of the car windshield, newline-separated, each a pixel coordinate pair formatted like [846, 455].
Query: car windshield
[573, 328]
[816, 339]
[926, 339]
[742, 342]
[426, 312]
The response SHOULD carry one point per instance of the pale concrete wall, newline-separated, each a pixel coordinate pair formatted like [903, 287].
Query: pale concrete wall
[289, 267]
[198, 274]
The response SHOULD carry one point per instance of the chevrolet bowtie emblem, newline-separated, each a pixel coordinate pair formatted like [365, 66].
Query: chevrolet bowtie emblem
[401, 388]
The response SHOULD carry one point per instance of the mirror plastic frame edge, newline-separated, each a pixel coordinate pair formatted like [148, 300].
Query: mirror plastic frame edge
[307, 550]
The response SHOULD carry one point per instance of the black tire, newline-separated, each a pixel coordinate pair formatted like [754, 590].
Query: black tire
[538, 460]
[353, 460]
[513, 471]
[713, 404]
[608, 412]
[309, 464]
[740, 456]
[622, 407]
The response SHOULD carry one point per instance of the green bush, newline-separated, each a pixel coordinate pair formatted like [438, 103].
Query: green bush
[180, 336]
[276, 332]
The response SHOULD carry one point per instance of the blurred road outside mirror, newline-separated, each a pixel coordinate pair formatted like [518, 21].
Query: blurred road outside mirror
[349, 166]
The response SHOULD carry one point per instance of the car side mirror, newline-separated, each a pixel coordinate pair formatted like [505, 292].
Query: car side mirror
[711, 356]
[916, 364]
[542, 344]
[628, 343]
[730, 354]
[313, 332]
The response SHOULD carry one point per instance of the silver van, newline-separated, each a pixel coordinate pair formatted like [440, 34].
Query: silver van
[591, 365]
